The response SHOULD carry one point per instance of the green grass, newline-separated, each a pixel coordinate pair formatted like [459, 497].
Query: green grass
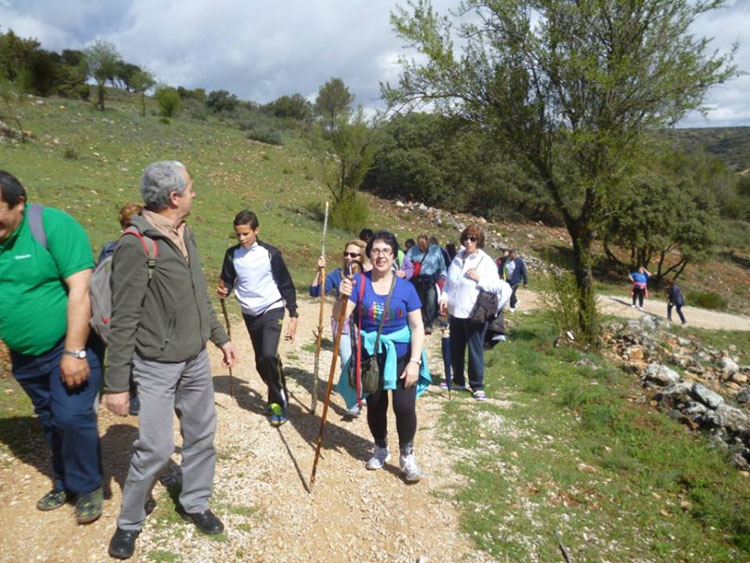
[571, 453]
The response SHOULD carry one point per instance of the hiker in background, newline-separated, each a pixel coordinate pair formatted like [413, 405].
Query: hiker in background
[504, 257]
[385, 298]
[429, 268]
[639, 290]
[365, 235]
[124, 216]
[354, 251]
[452, 251]
[446, 257]
[161, 320]
[470, 271]
[263, 286]
[408, 243]
[515, 273]
[674, 299]
[45, 268]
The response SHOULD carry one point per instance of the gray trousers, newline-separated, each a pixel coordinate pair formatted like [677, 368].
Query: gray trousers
[187, 389]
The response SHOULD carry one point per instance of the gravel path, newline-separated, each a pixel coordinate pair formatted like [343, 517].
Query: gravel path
[261, 483]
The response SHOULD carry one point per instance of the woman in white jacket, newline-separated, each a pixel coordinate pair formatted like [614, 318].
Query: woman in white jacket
[471, 270]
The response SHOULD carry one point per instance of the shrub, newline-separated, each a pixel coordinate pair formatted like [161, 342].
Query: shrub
[706, 299]
[563, 303]
[164, 120]
[267, 136]
[71, 153]
[169, 101]
[350, 212]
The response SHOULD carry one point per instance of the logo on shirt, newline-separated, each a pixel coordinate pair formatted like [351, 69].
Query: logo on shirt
[22, 256]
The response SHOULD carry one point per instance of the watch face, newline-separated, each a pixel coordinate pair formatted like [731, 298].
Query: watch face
[81, 354]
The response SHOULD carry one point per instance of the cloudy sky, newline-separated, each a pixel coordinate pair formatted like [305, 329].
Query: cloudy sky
[263, 49]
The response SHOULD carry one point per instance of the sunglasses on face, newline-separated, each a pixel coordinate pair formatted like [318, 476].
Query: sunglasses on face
[351, 254]
[472, 239]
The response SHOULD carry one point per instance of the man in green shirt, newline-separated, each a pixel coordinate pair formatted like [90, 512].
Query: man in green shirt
[44, 320]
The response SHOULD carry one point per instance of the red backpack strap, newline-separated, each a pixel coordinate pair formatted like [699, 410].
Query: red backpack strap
[150, 248]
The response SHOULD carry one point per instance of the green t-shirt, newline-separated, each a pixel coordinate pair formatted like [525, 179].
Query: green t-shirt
[33, 294]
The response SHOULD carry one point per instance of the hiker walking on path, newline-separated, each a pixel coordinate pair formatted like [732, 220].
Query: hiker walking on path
[45, 269]
[470, 271]
[389, 305]
[354, 251]
[639, 278]
[429, 267]
[675, 299]
[515, 272]
[263, 286]
[161, 320]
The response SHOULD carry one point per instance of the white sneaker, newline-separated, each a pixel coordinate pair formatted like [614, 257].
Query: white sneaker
[354, 412]
[640, 308]
[499, 338]
[379, 458]
[633, 305]
[409, 468]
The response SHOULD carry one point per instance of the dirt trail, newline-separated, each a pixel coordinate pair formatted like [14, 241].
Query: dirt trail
[619, 306]
[261, 479]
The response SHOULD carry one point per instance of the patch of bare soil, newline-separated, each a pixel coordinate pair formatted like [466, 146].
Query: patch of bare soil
[262, 481]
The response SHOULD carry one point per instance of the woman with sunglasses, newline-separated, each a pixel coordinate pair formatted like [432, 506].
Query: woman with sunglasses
[354, 251]
[470, 270]
[400, 356]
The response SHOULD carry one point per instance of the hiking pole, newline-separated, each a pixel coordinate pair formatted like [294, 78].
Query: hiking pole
[229, 333]
[326, 402]
[445, 348]
[319, 338]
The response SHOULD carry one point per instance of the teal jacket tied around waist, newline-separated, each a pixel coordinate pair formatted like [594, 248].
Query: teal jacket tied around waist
[390, 377]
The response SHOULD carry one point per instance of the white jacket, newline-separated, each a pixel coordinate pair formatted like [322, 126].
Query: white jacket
[461, 291]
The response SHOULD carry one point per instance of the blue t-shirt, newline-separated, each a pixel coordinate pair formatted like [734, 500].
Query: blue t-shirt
[639, 277]
[403, 301]
[333, 281]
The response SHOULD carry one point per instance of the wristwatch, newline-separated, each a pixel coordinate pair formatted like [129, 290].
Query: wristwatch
[78, 354]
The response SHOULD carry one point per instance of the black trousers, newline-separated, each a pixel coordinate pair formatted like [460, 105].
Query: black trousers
[265, 333]
[404, 403]
[638, 293]
[466, 334]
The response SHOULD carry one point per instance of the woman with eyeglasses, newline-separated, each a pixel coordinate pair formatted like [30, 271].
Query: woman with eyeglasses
[400, 356]
[471, 270]
[354, 251]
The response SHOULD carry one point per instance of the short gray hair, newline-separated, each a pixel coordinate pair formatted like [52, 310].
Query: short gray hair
[161, 179]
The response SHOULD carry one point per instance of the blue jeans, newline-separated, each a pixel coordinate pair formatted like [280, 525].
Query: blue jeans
[67, 416]
[466, 334]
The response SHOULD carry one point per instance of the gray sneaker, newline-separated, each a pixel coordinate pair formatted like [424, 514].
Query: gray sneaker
[379, 458]
[409, 468]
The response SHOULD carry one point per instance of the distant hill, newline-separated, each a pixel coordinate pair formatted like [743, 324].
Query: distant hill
[730, 144]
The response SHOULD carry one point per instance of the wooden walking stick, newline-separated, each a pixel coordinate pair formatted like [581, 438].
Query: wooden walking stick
[229, 333]
[326, 402]
[319, 336]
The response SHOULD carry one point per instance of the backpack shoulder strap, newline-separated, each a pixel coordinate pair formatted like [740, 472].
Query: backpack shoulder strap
[150, 248]
[34, 215]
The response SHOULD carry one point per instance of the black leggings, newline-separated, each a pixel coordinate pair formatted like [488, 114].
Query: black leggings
[404, 401]
[638, 293]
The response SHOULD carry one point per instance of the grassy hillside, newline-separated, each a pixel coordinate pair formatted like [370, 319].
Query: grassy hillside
[730, 144]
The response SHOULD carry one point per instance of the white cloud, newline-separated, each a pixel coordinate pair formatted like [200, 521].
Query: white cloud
[263, 49]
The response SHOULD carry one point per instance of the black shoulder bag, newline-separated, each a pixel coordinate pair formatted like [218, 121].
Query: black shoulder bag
[485, 307]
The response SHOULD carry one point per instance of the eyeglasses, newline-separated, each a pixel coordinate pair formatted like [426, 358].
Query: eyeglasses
[472, 239]
[383, 251]
[352, 254]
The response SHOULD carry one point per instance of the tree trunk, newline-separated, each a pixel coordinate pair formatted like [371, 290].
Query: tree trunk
[143, 104]
[582, 236]
[100, 102]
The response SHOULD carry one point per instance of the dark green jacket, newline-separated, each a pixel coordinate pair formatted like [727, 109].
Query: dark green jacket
[166, 319]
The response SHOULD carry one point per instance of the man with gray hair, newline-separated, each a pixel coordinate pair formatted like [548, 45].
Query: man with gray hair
[161, 320]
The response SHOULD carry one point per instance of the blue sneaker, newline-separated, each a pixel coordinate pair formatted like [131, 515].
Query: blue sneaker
[278, 417]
